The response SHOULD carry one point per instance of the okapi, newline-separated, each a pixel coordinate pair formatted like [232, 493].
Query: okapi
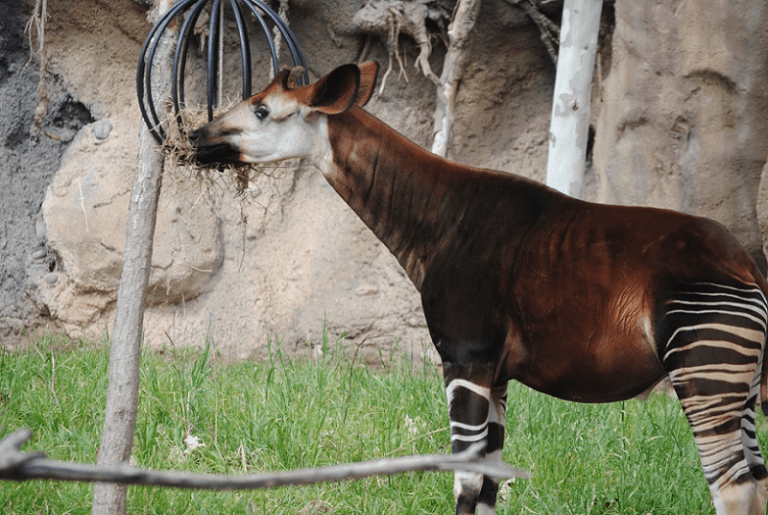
[586, 302]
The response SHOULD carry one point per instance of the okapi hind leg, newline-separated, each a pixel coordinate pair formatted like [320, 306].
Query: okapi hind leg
[716, 423]
[715, 336]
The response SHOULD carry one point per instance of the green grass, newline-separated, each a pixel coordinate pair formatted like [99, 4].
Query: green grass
[282, 413]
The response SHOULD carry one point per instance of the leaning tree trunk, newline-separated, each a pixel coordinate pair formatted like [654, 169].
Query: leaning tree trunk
[125, 352]
[569, 127]
[459, 31]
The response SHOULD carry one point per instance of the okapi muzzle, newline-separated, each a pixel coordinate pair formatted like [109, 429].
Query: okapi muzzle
[211, 150]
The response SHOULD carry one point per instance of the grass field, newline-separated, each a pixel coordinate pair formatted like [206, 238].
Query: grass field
[281, 413]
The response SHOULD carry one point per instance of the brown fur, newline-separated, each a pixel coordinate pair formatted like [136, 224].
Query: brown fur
[547, 289]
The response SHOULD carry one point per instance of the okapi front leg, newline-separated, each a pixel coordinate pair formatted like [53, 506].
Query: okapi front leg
[468, 408]
[476, 415]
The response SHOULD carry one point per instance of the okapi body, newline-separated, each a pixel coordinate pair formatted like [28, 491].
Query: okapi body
[586, 302]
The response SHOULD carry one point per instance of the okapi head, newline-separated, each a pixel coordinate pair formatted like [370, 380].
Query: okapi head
[280, 123]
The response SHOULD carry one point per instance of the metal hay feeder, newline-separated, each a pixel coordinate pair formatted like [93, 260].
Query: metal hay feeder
[189, 11]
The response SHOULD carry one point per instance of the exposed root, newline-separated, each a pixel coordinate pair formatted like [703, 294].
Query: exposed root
[36, 23]
[364, 52]
[390, 18]
[549, 32]
[283, 13]
[456, 58]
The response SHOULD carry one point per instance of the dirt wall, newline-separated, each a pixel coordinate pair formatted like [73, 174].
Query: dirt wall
[28, 163]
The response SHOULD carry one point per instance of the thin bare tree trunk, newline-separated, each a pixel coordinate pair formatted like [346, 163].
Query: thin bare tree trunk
[569, 127]
[125, 352]
[454, 65]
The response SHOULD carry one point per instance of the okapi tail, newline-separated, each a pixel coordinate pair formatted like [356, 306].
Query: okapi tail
[763, 284]
[764, 383]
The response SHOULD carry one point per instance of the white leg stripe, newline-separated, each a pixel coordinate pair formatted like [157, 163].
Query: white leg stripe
[469, 427]
[755, 309]
[463, 383]
[470, 438]
[466, 481]
[484, 509]
[756, 319]
[748, 334]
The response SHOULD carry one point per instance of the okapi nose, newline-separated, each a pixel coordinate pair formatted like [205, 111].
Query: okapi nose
[195, 135]
[209, 149]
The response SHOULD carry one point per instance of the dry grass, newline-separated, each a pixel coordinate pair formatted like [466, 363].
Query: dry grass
[181, 152]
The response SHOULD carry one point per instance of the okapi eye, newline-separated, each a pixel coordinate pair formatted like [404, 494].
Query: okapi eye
[261, 112]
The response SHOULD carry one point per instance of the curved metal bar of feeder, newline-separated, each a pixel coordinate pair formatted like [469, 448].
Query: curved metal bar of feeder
[296, 55]
[293, 44]
[140, 75]
[213, 61]
[298, 59]
[272, 15]
[180, 59]
[140, 80]
[245, 48]
[265, 28]
[155, 36]
[143, 78]
[144, 70]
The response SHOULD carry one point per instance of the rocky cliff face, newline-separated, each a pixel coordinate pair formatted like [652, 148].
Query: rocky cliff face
[681, 117]
[28, 163]
[679, 106]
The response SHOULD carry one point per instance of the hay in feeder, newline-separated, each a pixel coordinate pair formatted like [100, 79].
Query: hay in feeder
[257, 186]
[181, 154]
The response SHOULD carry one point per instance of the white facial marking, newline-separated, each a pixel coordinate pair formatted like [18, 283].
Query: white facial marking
[274, 129]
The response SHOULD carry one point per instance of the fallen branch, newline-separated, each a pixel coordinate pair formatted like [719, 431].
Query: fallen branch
[16, 465]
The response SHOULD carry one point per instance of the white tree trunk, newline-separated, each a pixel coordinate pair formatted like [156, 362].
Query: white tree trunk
[569, 127]
[125, 351]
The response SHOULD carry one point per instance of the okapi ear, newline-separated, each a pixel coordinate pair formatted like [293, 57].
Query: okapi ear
[294, 76]
[281, 78]
[337, 91]
[369, 70]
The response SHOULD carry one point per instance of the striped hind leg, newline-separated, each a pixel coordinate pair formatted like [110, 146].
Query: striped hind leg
[716, 334]
[477, 414]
